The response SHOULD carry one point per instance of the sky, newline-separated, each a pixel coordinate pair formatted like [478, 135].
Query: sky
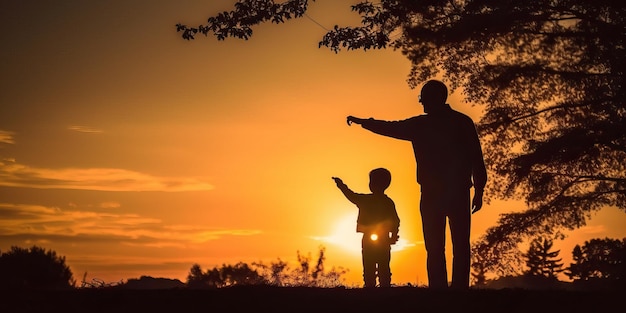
[130, 151]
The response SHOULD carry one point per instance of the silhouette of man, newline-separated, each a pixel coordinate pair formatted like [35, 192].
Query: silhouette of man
[449, 162]
[379, 223]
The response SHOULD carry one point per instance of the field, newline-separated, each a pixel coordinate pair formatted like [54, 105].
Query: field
[283, 299]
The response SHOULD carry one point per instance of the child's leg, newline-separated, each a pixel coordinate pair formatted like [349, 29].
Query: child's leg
[369, 265]
[384, 269]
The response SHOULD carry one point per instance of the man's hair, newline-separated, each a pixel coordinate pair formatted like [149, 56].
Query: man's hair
[380, 178]
[436, 89]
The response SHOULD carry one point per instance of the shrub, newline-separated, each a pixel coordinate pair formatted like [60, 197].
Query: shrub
[34, 268]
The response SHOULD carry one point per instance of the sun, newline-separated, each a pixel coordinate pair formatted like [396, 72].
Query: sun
[343, 234]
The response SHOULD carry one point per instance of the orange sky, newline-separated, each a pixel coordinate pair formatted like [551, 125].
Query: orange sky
[133, 152]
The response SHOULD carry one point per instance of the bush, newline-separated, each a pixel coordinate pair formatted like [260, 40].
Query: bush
[276, 273]
[34, 268]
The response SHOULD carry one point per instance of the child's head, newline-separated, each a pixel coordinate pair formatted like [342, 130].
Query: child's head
[380, 178]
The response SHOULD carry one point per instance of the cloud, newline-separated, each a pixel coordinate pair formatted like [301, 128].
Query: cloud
[85, 129]
[34, 223]
[592, 230]
[109, 205]
[7, 137]
[13, 174]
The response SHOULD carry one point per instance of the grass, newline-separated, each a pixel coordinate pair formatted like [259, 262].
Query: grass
[285, 299]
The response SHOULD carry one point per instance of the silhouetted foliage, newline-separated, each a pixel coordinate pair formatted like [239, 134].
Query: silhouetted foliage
[599, 260]
[497, 259]
[240, 274]
[238, 23]
[528, 282]
[598, 264]
[314, 276]
[34, 268]
[275, 274]
[541, 261]
[550, 75]
[196, 279]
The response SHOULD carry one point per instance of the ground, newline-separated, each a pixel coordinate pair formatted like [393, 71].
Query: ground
[283, 299]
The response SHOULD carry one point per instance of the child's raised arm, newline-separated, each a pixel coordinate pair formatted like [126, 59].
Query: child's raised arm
[350, 195]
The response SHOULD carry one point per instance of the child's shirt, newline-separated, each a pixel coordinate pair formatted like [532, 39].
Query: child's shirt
[377, 213]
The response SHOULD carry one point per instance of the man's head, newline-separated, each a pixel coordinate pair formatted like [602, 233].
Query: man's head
[380, 179]
[434, 95]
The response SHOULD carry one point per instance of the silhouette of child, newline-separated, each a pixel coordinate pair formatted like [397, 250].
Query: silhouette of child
[379, 223]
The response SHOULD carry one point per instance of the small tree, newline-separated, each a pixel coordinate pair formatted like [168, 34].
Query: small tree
[541, 261]
[275, 273]
[34, 268]
[240, 274]
[196, 278]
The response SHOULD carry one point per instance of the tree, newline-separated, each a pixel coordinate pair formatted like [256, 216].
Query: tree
[599, 259]
[493, 259]
[275, 273]
[541, 261]
[34, 268]
[196, 279]
[549, 74]
[577, 270]
[239, 274]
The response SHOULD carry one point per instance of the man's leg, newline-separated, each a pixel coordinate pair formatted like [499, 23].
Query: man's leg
[434, 228]
[460, 223]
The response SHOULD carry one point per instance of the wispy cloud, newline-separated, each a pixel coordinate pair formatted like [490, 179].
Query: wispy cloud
[109, 205]
[50, 224]
[592, 230]
[13, 174]
[85, 129]
[7, 137]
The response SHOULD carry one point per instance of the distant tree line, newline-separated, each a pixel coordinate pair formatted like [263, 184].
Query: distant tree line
[38, 268]
[597, 264]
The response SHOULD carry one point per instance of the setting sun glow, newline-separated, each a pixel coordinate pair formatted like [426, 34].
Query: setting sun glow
[344, 236]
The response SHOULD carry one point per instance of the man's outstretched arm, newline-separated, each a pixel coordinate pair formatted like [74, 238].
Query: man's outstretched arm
[352, 119]
[394, 129]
